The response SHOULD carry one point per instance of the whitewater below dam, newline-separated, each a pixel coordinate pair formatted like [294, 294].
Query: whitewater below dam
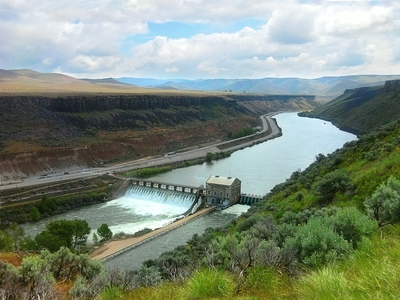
[259, 168]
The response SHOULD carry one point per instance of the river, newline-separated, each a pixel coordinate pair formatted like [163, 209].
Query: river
[262, 166]
[259, 167]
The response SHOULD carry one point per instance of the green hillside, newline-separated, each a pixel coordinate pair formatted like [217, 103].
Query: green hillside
[362, 110]
[330, 231]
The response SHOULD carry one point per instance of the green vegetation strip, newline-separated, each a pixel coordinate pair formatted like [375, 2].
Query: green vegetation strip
[141, 173]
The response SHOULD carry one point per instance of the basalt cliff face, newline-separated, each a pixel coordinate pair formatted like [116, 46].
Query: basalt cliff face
[42, 134]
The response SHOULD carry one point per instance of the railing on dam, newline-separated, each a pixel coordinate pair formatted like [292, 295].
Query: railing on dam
[166, 186]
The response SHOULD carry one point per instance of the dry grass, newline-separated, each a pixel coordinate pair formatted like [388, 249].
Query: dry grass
[28, 82]
[12, 258]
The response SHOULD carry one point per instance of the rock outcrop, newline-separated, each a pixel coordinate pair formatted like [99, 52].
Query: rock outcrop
[41, 134]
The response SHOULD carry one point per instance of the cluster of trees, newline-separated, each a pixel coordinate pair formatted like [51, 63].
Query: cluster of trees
[244, 132]
[71, 234]
[48, 206]
[148, 171]
[215, 156]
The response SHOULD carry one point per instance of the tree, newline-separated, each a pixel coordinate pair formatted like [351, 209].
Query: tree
[51, 242]
[80, 234]
[63, 229]
[17, 234]
[71, 234]
[6, 241]
[209, 157]
[104, 233]
[95, 238]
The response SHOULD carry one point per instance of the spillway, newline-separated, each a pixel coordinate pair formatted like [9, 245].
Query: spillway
[173, 198]
[145, 207]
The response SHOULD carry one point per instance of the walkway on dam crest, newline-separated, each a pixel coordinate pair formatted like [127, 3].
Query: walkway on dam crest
[114, 248]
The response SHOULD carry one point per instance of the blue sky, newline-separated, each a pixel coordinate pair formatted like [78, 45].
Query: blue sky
[193, 39]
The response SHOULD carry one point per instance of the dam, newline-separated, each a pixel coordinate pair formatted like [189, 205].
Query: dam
[220, 191]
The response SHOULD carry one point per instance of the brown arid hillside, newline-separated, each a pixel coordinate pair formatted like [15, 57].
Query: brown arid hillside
[52, 122]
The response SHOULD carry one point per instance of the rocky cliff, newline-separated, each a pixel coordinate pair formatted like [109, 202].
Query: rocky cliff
[41, 134]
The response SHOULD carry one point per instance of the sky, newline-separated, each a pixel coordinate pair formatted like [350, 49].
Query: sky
[193, 39]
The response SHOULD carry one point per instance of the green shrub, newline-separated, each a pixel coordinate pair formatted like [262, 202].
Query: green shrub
[317, 243]
[247, 223]
[332, 183]
[353, 226]
[384, 204]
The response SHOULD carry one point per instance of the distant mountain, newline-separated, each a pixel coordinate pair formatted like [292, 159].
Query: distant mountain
[148, 82]
[25, 81]
[104, 81]
[322, 87]
[362, 110]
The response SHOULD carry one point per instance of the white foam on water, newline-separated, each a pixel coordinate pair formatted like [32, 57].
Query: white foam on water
[237, 209]
[147, 201]
[131, 228]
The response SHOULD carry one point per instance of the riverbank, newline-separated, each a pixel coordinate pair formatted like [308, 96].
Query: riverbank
[270, 130]
[114, 248]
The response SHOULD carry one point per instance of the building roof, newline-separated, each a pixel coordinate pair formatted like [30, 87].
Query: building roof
[215, 179]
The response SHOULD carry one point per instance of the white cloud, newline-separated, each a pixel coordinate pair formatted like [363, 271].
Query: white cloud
[364, 21]
[48, 61]
[292, 24]
[172, 70]
[210, 67]
[299, 38]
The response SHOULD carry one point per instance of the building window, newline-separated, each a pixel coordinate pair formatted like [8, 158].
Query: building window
[215, 193]
[227, 195]
[221, 194]
[209, 192]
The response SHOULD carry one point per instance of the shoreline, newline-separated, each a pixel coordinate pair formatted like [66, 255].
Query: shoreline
[269, 131]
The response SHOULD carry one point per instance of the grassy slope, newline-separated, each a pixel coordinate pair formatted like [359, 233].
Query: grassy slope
[361, 110]
[371, 272]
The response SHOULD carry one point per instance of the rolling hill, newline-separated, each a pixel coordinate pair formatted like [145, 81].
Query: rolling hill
[325, 88]
[362, 110]
[24, 81]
